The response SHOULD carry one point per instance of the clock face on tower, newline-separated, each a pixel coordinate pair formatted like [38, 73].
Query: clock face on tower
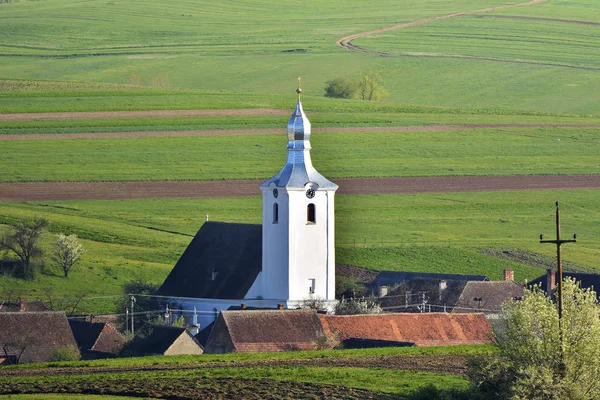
[310, 193]
[275, 192]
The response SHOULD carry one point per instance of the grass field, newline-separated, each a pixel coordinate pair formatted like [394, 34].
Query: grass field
[218, 48]
[451, 233]
[522, 151]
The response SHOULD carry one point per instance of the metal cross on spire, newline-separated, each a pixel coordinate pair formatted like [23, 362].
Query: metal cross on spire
[299, 90]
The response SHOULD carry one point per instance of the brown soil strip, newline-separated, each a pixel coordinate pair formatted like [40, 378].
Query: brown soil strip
[199, 388]
[273, 131]
[251, 112]
[569, 21]
[40, 191]
[443, 364]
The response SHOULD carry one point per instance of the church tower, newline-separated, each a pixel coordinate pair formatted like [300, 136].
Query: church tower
[298, 252]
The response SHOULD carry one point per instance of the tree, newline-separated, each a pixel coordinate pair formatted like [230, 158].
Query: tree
[67, 252]
[357, 306]
[370, 87]
[340, 88]
[23, 240]
[534, 360]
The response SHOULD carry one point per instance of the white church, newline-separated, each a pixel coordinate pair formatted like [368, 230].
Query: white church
[286, 260]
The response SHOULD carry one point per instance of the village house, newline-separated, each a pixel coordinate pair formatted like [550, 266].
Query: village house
[251, 331]
[31, 337]
[96, 339]
[165, 341]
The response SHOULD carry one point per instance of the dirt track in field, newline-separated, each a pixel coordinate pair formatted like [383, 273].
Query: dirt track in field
[45, 191]
[274, 131]
[251, 112]
[346, 41]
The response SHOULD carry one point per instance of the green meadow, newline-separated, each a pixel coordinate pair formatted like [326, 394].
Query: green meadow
[258, 47]
[514, 151]
[451, 233]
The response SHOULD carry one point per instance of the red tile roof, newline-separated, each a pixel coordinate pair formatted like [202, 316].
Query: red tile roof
[430, 329]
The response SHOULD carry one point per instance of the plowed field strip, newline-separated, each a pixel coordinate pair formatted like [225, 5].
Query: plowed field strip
[38, 191]
[568, 21]
[447, 364]
[272, 131]
[254, 112]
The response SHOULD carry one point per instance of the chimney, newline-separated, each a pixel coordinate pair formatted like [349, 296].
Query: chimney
[244, 306]
[383, 291]
[443, 286]
[21, 304]
[550, 280]
[280, 307]
[509, 275]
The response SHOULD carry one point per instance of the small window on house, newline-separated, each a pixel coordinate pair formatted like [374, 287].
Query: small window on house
[311, 286]
[310, 214]
[275, 213]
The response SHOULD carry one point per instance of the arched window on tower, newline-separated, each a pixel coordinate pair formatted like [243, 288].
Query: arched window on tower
[275, 213]
[310, 214]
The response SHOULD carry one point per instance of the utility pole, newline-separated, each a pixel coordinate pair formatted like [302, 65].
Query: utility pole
[132, 314]
[559, 243]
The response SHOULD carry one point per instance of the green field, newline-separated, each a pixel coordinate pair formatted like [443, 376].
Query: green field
[245, 48]
[448, 233]
[512, 151]
[59, 55]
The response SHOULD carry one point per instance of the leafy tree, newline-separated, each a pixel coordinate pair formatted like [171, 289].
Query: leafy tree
[67, 252]
[534, 360]
[348, 287]
[370, 87]
[340, 88]
[24, 240]
[357, 306]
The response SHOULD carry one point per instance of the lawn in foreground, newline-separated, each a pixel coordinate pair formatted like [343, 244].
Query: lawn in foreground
[446, 233]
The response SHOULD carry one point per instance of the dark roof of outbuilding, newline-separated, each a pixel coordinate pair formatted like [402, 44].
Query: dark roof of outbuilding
[86, 333]
[586, 280]
[98, 336]
[158, 341]
[23, 305]
[487, 296]
[387, 278]
[40, 333]
[233, 251]
[270, 330]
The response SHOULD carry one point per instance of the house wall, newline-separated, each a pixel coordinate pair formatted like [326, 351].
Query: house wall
[185, 344]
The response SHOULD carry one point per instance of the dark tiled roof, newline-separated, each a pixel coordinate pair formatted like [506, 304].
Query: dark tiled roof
[23, 305]
[487, 297]
[40, 332]
[268, 330]
[234, 251]
[202, 336]
[158, 341]
[408, 296]
[389, 278]
[429, 329]
[586, 280]
[98, 336]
